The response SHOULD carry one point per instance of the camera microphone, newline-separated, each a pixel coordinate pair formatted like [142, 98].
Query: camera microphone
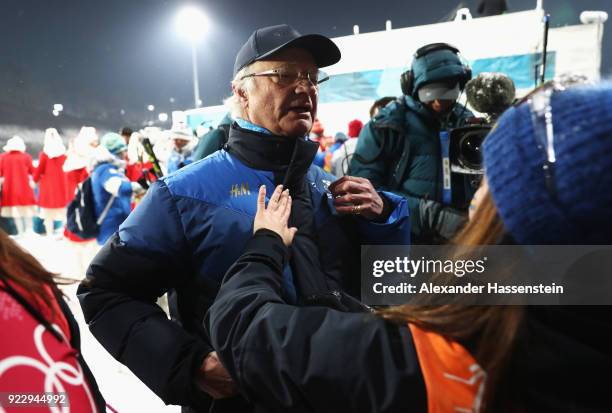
[490, 93]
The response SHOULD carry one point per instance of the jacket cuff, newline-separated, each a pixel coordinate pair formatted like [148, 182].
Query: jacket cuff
[197, 397]
[388, 207]
[268, 242]
[395, 209]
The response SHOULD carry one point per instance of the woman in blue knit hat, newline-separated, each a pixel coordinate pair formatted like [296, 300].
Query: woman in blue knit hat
[549, 174]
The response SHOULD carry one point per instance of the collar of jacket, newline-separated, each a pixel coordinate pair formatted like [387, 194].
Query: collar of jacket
[451, 120]
[227, 120]
[271, 152]
[394, 117]
[425, 113]
[117, 163]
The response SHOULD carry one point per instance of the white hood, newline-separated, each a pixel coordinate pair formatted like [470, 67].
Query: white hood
[102, 155]
[53, 145]
[16, 143]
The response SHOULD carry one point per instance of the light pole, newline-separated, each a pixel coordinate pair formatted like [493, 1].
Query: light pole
[192, 24]
[196, 85]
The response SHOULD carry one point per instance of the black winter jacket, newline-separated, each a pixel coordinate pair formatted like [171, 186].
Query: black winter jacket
[293, 359]
[315, 359]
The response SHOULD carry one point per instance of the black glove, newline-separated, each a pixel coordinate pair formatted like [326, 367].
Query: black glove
[143, 179]
[143, 182]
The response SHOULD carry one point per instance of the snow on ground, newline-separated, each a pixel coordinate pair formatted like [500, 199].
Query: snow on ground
[121, 389]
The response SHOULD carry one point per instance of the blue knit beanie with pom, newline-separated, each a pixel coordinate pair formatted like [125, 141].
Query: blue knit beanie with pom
[582, 210]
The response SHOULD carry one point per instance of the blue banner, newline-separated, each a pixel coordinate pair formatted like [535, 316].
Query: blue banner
[374, 84]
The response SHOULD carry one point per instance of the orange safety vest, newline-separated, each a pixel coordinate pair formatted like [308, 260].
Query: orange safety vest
[454, 382]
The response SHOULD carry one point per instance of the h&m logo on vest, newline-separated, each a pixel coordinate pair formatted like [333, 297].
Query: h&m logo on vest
[240, 189]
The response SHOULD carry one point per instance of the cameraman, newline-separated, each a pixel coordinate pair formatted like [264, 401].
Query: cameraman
[400, 149]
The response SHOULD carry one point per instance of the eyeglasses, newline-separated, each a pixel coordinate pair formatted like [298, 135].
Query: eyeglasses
[287, 76]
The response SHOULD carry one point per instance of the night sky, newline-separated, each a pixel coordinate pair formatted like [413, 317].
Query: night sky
[98, 57]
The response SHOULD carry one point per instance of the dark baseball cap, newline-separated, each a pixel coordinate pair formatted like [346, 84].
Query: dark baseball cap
[269, 40]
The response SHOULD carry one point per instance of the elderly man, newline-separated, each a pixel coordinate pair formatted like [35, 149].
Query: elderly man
[193, 225]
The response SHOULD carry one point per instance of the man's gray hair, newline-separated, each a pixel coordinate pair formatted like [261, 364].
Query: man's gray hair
[233, 102]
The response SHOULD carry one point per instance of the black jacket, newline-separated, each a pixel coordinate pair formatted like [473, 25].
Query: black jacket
[311, 359]
[400, 151]
[321, 360]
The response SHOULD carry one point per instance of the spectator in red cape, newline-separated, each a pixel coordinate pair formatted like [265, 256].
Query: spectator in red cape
[78, 157]
[6, 224]
[51, 178]
[16, 172]
[139, 165]
[79, 153]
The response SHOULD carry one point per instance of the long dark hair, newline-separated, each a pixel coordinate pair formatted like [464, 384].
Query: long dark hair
[20, 268]
[491, 329]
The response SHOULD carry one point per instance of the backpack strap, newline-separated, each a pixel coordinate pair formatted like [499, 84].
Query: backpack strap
[105, 210]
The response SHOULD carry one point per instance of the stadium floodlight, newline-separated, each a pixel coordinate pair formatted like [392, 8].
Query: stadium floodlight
[192, 23]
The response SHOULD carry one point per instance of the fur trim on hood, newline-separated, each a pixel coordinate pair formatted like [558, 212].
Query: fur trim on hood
[102, 155]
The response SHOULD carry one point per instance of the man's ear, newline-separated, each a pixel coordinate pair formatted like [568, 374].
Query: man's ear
[242, 95]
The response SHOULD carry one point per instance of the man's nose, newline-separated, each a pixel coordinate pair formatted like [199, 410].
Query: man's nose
[304, 84]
